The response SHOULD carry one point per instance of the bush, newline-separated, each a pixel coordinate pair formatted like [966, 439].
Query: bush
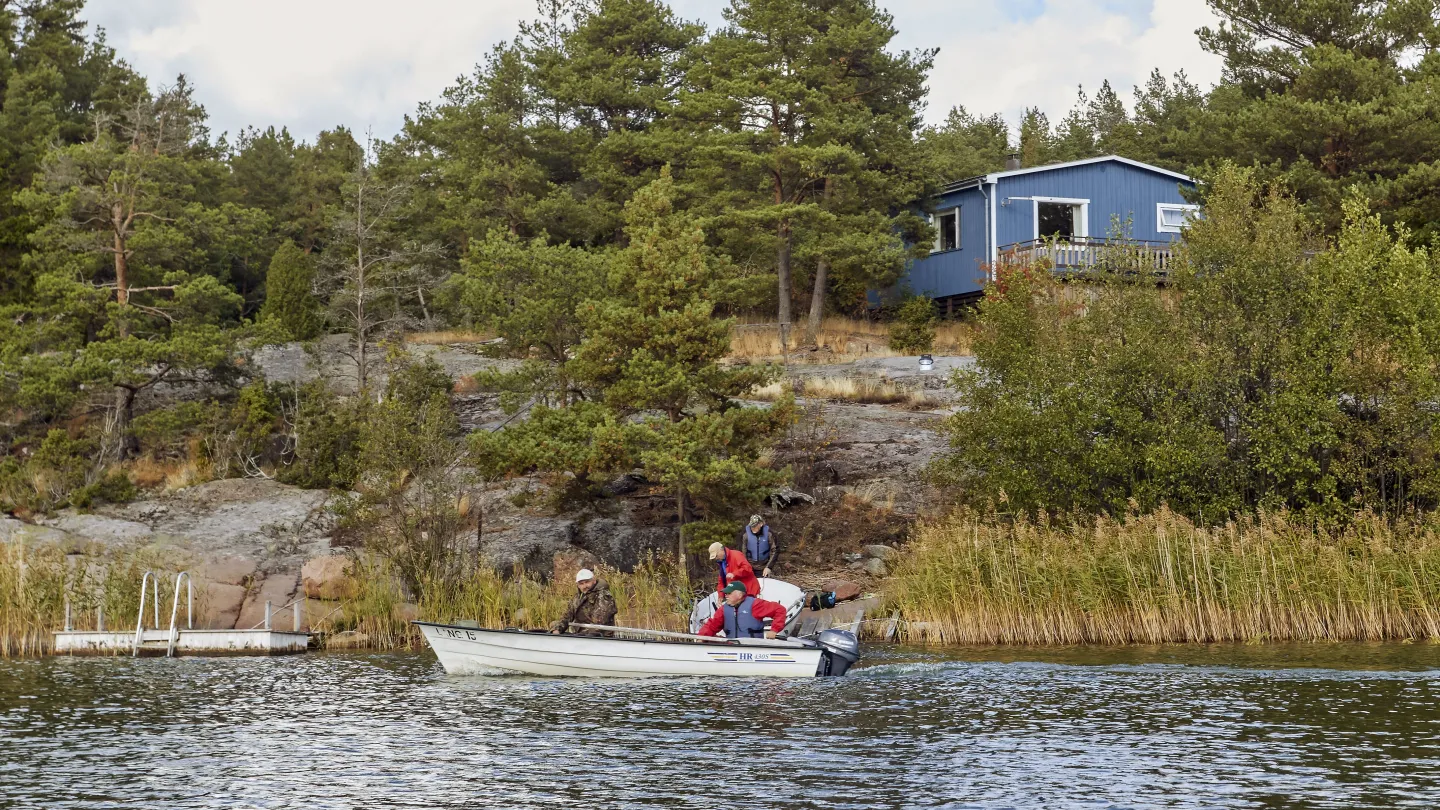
[167, 431]
[913, 330]
[328, 433]
[289, 296]
[1272, 372]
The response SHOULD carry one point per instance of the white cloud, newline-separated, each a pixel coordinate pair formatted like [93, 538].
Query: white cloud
[1007, 65]
[313, 64]
[309, 64]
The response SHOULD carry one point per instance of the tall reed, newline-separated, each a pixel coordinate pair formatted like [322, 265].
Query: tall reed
[37, 581]
[972, 579]
[378, 616]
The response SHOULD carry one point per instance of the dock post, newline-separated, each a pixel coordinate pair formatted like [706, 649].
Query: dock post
[100, 618]
[67, 614]
[267, 614]
[297, 615]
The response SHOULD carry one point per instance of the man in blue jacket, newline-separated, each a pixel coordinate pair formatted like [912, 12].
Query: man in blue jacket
[759, 547]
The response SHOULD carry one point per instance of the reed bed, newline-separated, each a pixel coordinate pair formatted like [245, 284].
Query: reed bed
[844, 339]
[36, 582]
[378, 617]
[972, 579]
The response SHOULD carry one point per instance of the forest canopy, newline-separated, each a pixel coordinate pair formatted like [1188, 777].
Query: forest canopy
[140, 251]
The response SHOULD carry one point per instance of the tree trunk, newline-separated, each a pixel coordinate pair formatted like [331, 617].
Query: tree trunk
[124, 415]
[361, 361]
[822, 273]
[680, 534]
[782, 265]
[817, 298]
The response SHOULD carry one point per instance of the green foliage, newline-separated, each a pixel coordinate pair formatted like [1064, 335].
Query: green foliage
[289, 293]
[63, 471]
[328, 434]
[527, 292]
[913, 330]
[407, 508]
[1270, 376]
[655, 396]
[237, 440]
[415, 383]
[167, 431]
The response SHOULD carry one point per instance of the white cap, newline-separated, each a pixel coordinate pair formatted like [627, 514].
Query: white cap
[584, 574]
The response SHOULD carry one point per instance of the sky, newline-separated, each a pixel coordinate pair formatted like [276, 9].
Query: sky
[311, 65]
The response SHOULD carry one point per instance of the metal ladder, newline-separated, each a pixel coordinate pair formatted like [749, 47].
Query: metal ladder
[173, 636]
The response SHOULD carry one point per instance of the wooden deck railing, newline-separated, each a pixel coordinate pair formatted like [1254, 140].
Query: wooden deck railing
[1087, 254]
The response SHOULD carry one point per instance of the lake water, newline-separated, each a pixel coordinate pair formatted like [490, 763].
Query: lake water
[1235, 726]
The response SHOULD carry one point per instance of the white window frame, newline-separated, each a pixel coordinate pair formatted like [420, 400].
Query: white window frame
[935, 221]
[1161, 208]
[1082, 228]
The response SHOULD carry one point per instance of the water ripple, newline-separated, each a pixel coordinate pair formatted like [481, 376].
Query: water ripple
[964, 730]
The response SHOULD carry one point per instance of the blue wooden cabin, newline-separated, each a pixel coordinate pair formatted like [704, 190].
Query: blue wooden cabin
[1065, 212]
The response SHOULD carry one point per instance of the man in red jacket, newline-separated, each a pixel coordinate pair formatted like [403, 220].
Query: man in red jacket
[743, 616]
[734, 568]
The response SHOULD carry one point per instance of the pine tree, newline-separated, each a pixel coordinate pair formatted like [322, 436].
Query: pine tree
[656, 396]
[290, 295]
[121, 303]
[810, 125]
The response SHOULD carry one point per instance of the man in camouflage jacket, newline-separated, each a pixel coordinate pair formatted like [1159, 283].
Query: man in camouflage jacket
[593, 604]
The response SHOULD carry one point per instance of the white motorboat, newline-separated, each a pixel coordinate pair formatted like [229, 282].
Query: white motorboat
[473, 650]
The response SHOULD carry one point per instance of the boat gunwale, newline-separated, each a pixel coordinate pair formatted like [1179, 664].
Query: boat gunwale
[730, 642]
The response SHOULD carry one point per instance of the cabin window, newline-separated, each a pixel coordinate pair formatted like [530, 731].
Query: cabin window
[1173, 217]
[947, 230]
[1058, 221]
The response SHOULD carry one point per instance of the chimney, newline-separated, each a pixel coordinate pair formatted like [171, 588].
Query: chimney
[1012, 161]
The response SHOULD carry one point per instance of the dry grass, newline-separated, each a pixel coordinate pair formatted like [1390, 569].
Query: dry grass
[376, 616]
[447, 336]
[167, 474]
[1159, 578]
[840, 340]
[35, 583]
[862, 390]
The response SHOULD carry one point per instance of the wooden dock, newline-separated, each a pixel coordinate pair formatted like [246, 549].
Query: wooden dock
[187, 642]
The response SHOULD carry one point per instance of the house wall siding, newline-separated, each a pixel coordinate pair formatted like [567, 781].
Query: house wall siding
[938, 272]
[1117, 192]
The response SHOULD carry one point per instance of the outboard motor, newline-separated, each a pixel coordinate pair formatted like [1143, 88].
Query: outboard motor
[840, 649]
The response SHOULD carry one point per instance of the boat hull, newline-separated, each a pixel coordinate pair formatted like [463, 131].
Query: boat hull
[466, 650]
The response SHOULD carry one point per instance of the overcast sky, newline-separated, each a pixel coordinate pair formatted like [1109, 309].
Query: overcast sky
[312, 64]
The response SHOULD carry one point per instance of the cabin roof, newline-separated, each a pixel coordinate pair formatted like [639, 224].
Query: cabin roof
[971, 182]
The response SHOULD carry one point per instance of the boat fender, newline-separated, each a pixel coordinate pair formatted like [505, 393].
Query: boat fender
[840, 649]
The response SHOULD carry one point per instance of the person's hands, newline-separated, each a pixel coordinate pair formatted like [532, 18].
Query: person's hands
[765, 573]
[769, 634]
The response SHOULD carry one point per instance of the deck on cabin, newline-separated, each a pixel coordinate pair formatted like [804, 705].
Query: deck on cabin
[1088, 254]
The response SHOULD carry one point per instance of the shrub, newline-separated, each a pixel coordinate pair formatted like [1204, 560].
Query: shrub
[913, 330]
[289, 296]
[328, 434]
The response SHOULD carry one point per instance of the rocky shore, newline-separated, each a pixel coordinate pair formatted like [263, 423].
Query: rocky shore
[251, 541]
